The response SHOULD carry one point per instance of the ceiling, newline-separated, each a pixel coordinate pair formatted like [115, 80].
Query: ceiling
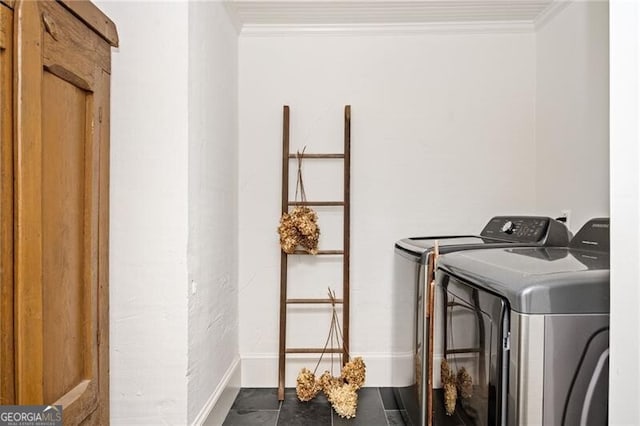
[265, 15]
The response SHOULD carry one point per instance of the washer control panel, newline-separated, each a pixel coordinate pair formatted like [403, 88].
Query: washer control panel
[526, 229]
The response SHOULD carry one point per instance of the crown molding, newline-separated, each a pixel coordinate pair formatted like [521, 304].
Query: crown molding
[550, 12]
[234, 17]
[396, 29]
[389, 17]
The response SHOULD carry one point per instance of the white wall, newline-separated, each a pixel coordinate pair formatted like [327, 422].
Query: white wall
[148, 241]
[213, 165]
[572, 113]
[173, 248]
[442, 139]
[625, 211]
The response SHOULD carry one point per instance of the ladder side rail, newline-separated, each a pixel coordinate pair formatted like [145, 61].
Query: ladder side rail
[283, 255]
[346, 234]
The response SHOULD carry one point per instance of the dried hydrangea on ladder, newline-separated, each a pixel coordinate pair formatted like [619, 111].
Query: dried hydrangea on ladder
[341, 391]
[299, 226]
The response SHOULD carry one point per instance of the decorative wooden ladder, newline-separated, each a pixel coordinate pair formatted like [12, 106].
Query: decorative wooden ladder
[345, 204]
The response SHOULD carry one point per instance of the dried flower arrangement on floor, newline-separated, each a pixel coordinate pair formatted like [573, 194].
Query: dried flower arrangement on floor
[299, 226]
[307, 387]
[454, 385]
[341, 391]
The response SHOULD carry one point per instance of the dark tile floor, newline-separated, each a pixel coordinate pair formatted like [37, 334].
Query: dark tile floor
[260, 406]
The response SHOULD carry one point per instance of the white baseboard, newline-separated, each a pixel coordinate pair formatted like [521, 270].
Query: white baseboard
[383, 369]
[217, 406]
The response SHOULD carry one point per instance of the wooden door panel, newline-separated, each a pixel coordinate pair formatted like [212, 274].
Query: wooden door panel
[63, 178]
[6, 207]
[57, 244]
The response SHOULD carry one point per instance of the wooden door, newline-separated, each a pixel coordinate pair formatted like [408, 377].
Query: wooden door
[6, 206]
[61, 171]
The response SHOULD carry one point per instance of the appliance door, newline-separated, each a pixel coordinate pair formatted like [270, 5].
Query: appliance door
[408, 328]
[576, 377]
[475, 340]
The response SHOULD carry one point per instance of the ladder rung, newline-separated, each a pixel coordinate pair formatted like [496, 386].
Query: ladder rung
[312, 351]
[310, 301]
[463, 351]
[321, 252]
[320, 156]
[316, 203]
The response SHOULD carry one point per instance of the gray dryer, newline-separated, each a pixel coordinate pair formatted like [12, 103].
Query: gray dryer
[531, 328]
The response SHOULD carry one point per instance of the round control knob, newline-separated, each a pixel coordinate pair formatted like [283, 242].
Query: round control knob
[508, 227]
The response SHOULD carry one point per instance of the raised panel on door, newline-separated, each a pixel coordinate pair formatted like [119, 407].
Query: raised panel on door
[6, 206]
[62, 97]
[67, 285]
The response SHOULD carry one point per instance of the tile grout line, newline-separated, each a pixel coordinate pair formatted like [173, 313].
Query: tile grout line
[278, 415]
[384, 410]
[331, 411]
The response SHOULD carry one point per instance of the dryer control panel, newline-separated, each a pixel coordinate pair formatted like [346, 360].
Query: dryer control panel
[528, 229]
[593, 236]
